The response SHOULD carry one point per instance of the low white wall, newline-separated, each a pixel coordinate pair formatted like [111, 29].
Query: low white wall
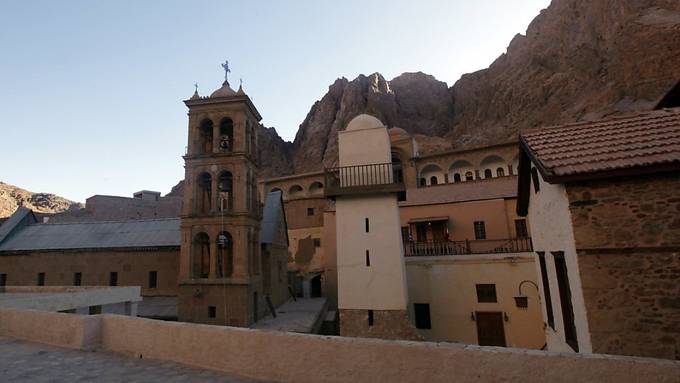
[58, 329]
[287, 357]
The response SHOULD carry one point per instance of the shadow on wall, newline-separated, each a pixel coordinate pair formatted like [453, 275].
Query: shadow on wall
[305, 251]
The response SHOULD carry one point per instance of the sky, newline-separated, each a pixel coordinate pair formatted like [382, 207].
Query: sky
[92, 90]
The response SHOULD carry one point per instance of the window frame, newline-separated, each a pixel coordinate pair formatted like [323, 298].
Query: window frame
[486, 296]
[480, 230]
[423, 318]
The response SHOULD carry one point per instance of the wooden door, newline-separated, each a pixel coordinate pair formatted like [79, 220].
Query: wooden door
[490, 330]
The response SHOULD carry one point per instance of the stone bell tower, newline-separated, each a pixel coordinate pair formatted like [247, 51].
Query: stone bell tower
[220, 278]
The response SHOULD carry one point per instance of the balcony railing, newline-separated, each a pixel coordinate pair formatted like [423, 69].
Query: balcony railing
[361, 179]
[480, 246]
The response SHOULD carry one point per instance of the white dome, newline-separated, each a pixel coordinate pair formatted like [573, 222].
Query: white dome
[364, 121]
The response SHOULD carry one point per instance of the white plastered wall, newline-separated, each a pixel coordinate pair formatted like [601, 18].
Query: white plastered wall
[382, 284]
[551, 231]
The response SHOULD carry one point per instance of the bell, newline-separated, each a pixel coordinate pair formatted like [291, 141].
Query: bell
[222, 240]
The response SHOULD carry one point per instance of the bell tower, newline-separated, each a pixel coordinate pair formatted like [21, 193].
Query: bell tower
[220, 279]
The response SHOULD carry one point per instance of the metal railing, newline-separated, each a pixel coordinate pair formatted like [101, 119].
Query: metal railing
[363, 178]
[478, 246]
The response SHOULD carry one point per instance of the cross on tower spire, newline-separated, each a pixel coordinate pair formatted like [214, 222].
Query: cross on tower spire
[225, 66]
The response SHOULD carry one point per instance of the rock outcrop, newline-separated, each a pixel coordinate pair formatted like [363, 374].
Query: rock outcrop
[12, 197]
[579, 60]
[416, 101]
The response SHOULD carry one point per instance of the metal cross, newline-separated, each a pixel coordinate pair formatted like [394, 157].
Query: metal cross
[226, 69]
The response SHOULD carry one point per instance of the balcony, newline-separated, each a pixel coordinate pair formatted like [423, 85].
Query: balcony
[481, 246]
[364, 179]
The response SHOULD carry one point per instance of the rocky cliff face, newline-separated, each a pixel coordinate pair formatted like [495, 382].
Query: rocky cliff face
[12, 197]
[579, 60]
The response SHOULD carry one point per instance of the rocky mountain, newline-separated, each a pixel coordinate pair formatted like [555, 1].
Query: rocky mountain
[12, 197]
[579, 59]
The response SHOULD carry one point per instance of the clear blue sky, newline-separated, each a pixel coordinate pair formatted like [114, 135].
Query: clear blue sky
[92, 90]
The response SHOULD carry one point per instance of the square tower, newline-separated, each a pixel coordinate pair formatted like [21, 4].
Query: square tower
[372, 293]
[220, 279]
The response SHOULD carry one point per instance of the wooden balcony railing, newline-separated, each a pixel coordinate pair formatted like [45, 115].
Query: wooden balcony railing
[480, 246]
[361, 179]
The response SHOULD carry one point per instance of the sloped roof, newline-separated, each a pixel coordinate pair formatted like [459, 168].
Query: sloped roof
[501, 187]
[91, 235]
[604, 148]
[272, 217]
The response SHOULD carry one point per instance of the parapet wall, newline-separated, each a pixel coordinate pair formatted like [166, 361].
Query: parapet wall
[287, 357]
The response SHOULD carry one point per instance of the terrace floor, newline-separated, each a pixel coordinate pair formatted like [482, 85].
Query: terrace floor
[33, 362]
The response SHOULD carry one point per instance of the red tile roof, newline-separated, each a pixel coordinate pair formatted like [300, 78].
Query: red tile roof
[644, 140]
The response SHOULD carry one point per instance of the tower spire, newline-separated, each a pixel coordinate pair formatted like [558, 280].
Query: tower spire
[225, 66]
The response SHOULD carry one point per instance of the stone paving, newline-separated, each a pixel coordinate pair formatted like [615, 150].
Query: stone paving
[33, 362]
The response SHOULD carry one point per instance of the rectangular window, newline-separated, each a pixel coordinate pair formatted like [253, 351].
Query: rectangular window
[41, 279]
[422, 311]
[212, 311]
[95, 310]
[480, 230]
[534, 180]
[486, 293]
[113, 278]
[310, 211]
[405, 233]
[546, 290]
[317, 242]
[77, 278]
[153, 279]
[565, 300]
[368, 259]
[370, 317]
[3, 280]
[521, 228]
[366, 223]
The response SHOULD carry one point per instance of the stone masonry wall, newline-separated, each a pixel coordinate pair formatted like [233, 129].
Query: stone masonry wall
[627, 234]
[387, 324]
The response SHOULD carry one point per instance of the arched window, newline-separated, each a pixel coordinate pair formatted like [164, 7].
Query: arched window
[296, 191]
[500, 172]
[469, 176]
[433, 180]
[423, 182]
[316, 188]
[201, 256]
[253, 140]
[205, 144]
[226, 188]
[397, 168]
[204, 193]
[456, 177]
[247, 136]
[225, 255]
[487, 173]
[226, 135]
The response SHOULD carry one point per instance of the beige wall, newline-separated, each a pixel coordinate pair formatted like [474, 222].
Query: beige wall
[462, 216]
[304, 255]
[552, 231]
[288, 357]
[330, 259]
[133, 268]
[448, 285]
[382, 285]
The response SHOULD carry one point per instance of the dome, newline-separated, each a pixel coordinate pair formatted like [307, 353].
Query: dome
[224, 91]
[364, 121]
[395, 132]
